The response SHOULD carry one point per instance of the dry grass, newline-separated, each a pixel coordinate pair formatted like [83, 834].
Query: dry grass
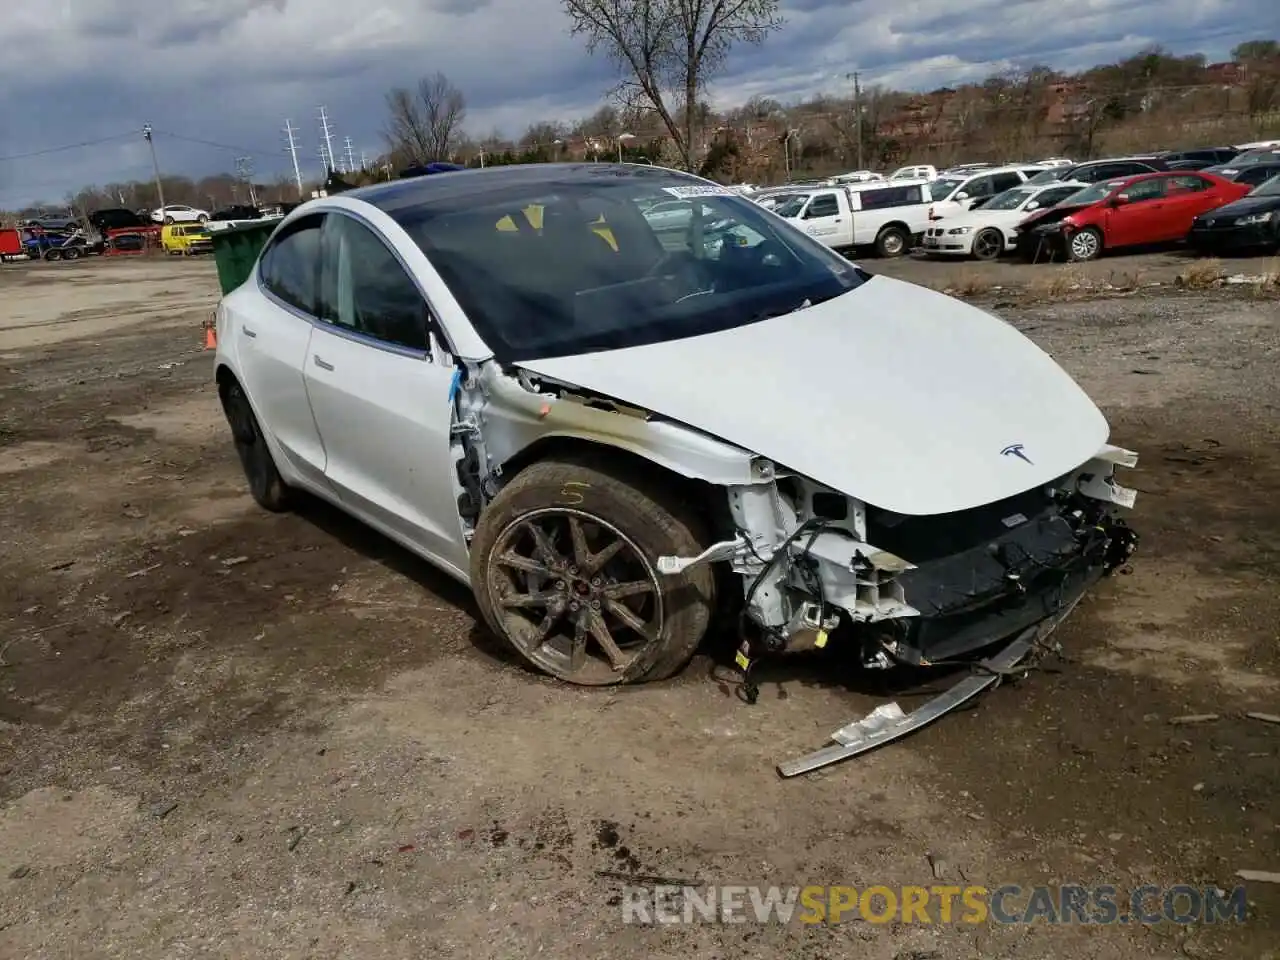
[1056, 282]
[972, 285]
[1201, 274]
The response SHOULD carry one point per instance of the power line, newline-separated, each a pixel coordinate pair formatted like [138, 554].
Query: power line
[207, 143]
[69, 146]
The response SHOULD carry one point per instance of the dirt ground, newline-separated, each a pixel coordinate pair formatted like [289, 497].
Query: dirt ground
[234, 734]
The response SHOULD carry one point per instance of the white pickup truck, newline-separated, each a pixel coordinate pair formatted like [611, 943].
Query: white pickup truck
[883, 214]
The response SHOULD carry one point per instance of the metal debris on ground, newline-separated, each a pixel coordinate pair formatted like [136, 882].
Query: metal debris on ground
[1264, 717]
[1194, 718]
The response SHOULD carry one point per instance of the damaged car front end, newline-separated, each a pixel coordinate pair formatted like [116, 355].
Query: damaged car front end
[654, 423]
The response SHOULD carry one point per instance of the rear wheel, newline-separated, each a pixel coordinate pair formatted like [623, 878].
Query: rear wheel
[564, 566]
[71, 253]
[53, 254]
[892, 242]
[265, 483]
[988, 244]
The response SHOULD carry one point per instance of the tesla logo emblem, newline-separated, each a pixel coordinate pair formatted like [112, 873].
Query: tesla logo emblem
[1015, 450]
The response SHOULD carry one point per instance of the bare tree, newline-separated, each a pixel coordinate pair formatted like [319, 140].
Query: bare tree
[426, 124]
[668, 50]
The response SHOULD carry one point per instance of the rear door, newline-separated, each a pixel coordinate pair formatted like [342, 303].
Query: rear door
[380, 386]
[273, 332]
[827, 218]
[1189, 196]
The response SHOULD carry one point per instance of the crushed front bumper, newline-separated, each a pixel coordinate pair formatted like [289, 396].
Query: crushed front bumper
[888, 723]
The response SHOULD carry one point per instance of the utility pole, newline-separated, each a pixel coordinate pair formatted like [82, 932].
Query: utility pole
[155, 164]
[293, 153]
[327, 150]
[244, 170]
[857, 115]
[351, 157]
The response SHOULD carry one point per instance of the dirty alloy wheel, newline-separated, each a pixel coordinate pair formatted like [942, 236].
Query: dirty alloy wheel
[1085, 245]
[988, 244]
[892, 242]
[564, 566]
[53, 254]
[265, 483]
[71, 253]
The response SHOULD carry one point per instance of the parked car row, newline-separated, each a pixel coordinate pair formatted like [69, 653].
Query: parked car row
[1053, 209]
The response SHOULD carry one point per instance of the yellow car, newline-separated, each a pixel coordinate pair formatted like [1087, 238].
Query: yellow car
[185, 239]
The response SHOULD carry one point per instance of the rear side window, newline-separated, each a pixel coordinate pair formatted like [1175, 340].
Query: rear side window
[290, 265]
[889, 197]
[1188, 183]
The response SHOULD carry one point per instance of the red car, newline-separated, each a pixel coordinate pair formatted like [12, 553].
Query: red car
[1150, 208]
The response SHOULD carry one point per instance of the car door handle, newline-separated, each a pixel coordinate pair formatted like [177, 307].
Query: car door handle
[322, 364]
[247, 332]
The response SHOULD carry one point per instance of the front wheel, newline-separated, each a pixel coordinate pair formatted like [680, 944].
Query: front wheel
[71, 253]
[1085, 245]
[988, 244]
[564, 566]
[265, 483]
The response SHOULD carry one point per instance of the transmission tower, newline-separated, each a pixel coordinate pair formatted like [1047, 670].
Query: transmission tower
[326, 149]
[293, 153]
[351, 159]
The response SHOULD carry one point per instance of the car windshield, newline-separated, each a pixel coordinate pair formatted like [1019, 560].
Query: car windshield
[1256, 156]
[1095, 193]
[1051, 175]
[577, 265]
[943, 187]
[1268, 188]
[1009, 200]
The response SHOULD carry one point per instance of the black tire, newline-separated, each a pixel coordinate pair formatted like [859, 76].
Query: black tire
[53, 254]
[71, 253]
[892, 242]
[168, 219]
[611, 503]
[1085, 245]
[265, 484]
[202, 219]
[988, 244]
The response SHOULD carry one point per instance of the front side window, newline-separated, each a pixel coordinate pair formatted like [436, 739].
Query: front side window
[1151, 189]
[591, 272]
[366, 289]
[1096, 193]
[791, 206]
[290, 264]
[1009, 200]
[1000, 182]
[1055, 196]
[979, 187]
[823, 205]
[1254, 175]
[1268, 188]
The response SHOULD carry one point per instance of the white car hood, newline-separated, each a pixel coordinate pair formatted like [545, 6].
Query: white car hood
[904, 398]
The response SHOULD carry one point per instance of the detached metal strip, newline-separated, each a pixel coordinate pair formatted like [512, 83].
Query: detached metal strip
[861, 736]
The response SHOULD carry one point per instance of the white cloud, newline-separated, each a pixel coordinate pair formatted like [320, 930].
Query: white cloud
[232, 71]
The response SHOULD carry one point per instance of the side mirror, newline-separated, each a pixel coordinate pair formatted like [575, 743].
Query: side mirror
[962, 195]
[1033, 205]
[1120, 200]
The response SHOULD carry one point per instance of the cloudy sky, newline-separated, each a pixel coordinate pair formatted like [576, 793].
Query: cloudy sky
[230, 72]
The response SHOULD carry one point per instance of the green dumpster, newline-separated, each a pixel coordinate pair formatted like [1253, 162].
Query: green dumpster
[236, 249]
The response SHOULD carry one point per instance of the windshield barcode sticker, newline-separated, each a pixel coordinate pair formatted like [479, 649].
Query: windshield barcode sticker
[701, 190]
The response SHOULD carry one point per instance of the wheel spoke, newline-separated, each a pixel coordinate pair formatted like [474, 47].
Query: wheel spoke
[512, 559]
[629, 618]
[616, 591]
[578, 647]
[586, 561]
[540, 598]
[543, 544]
[600, 633]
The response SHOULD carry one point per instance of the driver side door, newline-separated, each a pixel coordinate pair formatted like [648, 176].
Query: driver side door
[1143, 218]
[381, 384]
[826, 222]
